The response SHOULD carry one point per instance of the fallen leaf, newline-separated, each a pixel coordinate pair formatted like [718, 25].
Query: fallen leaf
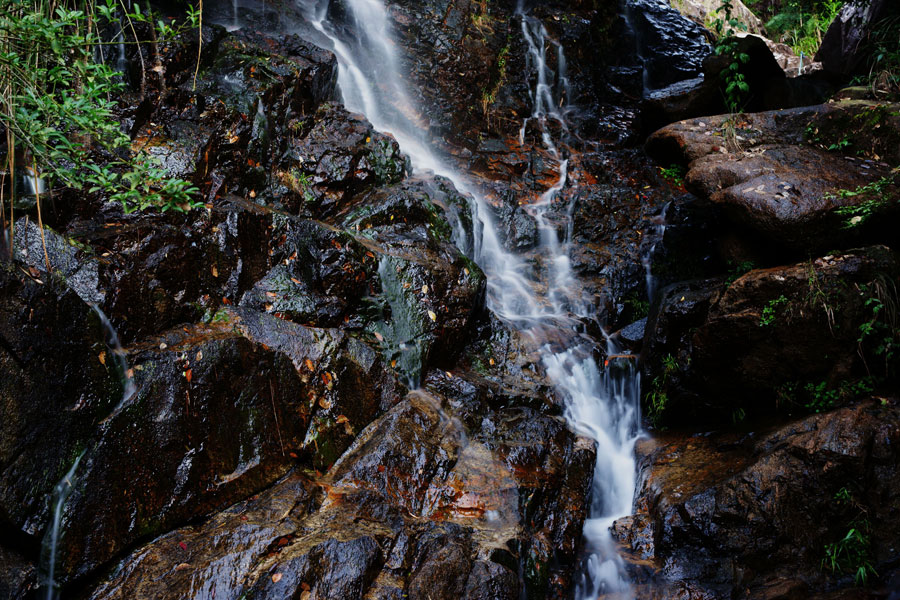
[102, 358]
[253, 193]
[214, 270]
[200, 355]
[304, 596]
[309, 364]
[379, 337]
[276, 577]
[189, 374]
[295, 280]
[432, 316]
[182, 567]
[425, 288]
[324, 403]
[381, 468]
[163, 346]
[271, 294]
[341, 419]
[182, 545]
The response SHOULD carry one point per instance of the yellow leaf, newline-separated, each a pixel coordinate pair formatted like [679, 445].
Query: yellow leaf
[425, 288]
[214, 270]
[102, 358]
[432, 316]
[341, 419]
[309, 364]
[324, 403]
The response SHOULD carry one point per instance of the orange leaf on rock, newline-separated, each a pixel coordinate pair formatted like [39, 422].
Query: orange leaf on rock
[276, 577]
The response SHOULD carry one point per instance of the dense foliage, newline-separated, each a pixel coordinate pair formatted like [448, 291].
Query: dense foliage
[57, 94]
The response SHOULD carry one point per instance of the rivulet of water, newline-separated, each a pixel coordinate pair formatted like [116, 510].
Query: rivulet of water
[51, 538]
[602, 402]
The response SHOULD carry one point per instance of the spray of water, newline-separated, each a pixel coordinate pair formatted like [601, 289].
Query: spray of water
[601, 403]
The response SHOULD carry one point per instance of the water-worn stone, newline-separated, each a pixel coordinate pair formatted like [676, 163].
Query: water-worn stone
[752, 516]
[772, 175]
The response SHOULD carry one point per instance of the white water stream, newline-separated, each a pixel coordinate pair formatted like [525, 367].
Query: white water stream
[601, 403]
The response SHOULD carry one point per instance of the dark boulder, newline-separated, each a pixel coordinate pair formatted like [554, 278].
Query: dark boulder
[773, 174]
[779, 340]
[672, 47]
[845, 49]
[770, 87]
[758, 516]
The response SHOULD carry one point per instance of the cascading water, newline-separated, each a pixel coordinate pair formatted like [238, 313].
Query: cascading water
[601, 403]
[51, 538]
[66, 485]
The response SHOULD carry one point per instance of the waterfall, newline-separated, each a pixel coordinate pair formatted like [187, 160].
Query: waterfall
[600, 402]
[51, 538]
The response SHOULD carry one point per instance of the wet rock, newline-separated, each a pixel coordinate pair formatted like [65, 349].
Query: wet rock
[18, 577]
[672, 47]
[769, 178]
[69, 263]
[774, 83]
[751, 517]
[59, 381]
[632, 335]
[211, 559]
[774, 340]
[420, 505]
[336, 157]
[218, 414]
[427, 292]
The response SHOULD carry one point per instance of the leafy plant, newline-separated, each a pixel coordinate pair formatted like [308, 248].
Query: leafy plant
[884, 71]
[852, 553]
[880, 333]
[769, 311]
[878, 198]
[802, 23]
[737, 270]
[724, 26]
[657, 398]
[674, 174]
[58, 108]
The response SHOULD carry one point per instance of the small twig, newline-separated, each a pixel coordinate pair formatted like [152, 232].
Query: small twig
[37, 195]
[199, 44]
[275, 414]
